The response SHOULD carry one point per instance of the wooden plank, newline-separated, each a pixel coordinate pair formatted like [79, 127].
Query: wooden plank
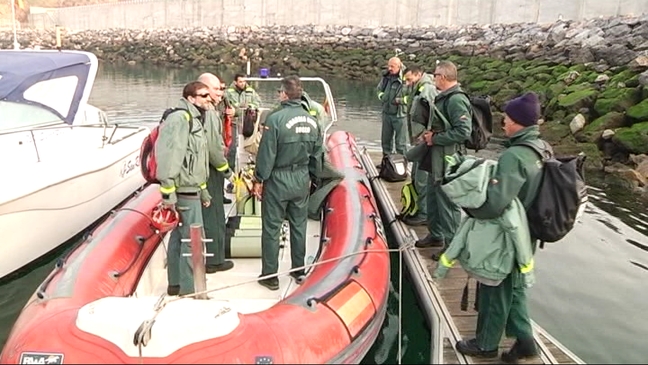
[451, 289]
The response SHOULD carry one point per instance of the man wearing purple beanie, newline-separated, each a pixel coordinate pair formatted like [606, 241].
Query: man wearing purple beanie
[518, 174]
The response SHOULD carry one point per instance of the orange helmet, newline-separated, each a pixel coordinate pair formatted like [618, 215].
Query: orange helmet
[164, 219]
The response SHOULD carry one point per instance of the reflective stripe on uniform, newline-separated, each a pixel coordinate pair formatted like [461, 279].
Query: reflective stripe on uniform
[445, 262]
[169, 190]
[527, 268]
[223, 167]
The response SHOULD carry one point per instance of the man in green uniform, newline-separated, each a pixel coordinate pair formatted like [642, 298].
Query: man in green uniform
[450, 127]
[419, 101]
[240, 96]
[219, 170]
[182, 168]
[390, 93]
[291, 147]
[519, 174]
[316, 110]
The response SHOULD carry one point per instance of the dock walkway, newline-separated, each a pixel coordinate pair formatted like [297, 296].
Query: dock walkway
[442, 297]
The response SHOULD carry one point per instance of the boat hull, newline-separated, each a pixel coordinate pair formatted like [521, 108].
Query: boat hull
[38, 223]
[334, 316]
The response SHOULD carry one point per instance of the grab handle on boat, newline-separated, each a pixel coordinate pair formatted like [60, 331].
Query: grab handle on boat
[41, 290]
[140, 240]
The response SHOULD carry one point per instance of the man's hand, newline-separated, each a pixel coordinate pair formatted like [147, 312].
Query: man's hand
[169, 200]
[257, 189]
[205, 198]
[427, 137]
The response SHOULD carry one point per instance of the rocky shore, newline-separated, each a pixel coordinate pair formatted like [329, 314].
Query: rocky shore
[591, 75]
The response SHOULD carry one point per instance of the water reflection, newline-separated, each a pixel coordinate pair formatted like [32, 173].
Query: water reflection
[590, 292]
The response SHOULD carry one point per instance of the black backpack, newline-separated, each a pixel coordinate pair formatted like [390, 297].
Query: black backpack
[393, 168]
[249, 122]
[482, 121]
[561, 198]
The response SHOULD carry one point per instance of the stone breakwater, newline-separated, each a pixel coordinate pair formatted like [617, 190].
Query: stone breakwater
[591, 75]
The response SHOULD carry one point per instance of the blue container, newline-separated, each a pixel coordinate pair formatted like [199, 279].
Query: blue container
[264, 72]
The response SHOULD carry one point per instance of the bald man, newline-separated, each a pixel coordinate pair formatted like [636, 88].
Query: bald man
[219, 170]
[391, 92]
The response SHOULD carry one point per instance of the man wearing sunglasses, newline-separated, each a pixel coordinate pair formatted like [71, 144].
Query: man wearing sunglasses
[182, 151]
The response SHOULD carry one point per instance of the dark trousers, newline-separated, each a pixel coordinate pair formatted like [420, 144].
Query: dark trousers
[503, 308]
[214, 219]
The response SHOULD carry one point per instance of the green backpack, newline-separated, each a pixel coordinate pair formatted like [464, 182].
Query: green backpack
[408, 200]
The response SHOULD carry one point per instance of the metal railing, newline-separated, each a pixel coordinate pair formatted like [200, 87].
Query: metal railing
[327, 92]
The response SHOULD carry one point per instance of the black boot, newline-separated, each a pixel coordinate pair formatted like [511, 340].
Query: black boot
[270, 283]
[173, 289]
[298, 276]
[470, 348]
[522, 348]
[416, 220]
[428, 241]
[226, 265]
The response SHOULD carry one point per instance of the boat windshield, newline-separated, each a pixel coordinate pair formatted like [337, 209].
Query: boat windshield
[22, 116]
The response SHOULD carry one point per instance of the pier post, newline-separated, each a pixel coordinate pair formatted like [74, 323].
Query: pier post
[198, 254]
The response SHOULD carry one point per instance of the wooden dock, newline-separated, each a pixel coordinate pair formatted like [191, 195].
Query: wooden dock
[446, 295]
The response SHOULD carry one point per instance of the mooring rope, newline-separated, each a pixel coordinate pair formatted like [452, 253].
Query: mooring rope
[143, 333]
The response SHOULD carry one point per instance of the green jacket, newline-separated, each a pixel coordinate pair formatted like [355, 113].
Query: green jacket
[182, 155]
[214, 132]
[449, 137]
[316, 110]
[417, 116]
[291, 139]
[518, 174]
[488, 249]
[391, 93]
[241, 99]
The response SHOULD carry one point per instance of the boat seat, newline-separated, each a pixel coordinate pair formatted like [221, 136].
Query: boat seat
[179, 324]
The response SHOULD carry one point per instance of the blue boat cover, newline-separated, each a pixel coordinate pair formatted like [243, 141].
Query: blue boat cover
[20, 69]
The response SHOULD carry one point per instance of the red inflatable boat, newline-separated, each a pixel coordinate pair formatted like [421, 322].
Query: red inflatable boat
[105, 302]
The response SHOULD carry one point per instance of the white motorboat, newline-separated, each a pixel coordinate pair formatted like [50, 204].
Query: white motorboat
[63, 165]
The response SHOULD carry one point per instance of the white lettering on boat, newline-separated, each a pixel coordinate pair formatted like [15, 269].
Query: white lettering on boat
[129, 165]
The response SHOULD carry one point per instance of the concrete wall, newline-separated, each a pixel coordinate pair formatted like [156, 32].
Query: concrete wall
[141, 14]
